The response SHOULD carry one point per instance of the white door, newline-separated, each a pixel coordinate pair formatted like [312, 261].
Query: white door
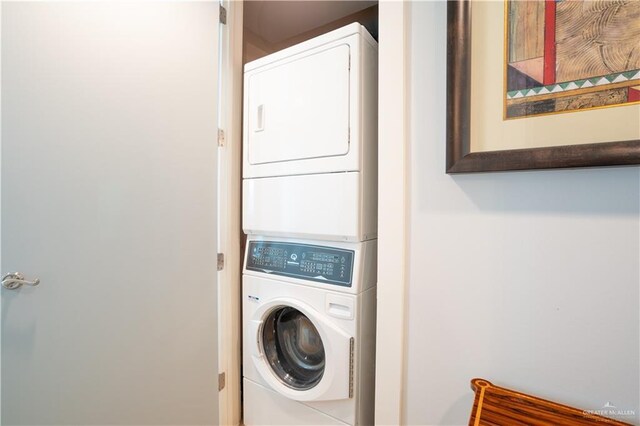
[109, 198]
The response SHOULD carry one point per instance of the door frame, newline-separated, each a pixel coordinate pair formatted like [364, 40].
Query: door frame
[1, 268]
[393, 209]
[229, 215]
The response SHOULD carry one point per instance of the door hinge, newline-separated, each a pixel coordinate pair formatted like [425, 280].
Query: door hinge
[220, 137]
[223, 15]
[222, 379]
[220, 261]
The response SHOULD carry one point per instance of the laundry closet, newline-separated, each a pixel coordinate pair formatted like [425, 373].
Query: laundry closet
[309, 212]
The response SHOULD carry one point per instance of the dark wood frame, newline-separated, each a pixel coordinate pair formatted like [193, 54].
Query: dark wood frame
[459, 157]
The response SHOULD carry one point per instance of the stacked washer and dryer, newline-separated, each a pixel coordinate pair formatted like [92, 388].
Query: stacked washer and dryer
[310, 213]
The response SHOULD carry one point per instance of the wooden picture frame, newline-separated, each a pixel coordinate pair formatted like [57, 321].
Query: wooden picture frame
[460, 159]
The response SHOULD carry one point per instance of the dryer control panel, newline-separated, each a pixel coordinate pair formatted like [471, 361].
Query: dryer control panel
[303, 261]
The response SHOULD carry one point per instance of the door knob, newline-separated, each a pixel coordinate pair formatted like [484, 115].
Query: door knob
[15, 280]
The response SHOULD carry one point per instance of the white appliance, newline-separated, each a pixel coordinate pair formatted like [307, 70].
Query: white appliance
[310, 139]
[309, 332]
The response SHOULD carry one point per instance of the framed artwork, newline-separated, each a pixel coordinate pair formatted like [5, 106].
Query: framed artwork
[538, 84]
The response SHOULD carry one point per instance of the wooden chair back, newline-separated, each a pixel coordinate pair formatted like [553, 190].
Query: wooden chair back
[496, 406]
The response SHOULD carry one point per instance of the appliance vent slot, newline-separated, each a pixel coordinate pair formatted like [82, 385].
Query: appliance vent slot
[351, 349]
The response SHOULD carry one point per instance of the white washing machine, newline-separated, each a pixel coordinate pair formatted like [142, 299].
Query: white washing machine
[309, 332]
[310, 139]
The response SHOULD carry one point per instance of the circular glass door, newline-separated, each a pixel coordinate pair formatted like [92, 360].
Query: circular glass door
[293, 348]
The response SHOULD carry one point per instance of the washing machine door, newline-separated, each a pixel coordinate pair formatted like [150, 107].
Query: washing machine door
[293, 348]
[302, 355]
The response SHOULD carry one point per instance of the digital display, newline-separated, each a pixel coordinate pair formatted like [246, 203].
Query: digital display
[329, 265]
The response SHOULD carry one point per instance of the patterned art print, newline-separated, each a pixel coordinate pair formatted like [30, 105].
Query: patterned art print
[570, 55]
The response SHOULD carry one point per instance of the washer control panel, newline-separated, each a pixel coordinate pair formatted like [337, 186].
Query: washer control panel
[330, 265]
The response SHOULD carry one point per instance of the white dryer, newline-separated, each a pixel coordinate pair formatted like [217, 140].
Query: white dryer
[309, 332]
[310, 139]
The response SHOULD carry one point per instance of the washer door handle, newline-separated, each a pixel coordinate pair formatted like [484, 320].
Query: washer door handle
[254, 328]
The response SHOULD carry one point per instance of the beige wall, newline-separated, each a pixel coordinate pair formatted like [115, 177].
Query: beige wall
[528, 279]
[255, 46]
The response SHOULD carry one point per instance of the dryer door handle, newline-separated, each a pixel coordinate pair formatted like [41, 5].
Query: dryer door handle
[256, 341]
[259, 119]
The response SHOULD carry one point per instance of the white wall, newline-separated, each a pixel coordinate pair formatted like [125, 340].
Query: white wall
[528, 279]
